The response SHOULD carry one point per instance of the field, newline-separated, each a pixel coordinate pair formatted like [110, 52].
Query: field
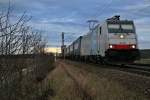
[145, 53]
[39, 77]
[145, 57]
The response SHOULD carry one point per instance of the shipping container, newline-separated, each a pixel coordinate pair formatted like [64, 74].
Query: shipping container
[86, 45]
[71, 49]
[77, 46]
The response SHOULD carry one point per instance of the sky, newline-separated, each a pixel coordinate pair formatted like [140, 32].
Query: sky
[53, 49]
[70, 16]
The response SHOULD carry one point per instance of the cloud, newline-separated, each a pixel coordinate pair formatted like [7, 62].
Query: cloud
[139, 6]
[56, 16]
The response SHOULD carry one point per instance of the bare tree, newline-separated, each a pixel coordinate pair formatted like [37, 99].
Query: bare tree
[17, 38]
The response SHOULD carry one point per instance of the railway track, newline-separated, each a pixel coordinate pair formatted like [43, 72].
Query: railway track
[140, 69]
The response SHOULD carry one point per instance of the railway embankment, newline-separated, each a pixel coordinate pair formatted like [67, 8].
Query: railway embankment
[79, 81]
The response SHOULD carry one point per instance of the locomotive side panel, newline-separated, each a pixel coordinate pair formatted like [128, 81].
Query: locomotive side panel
[103, 39]
[99, 40]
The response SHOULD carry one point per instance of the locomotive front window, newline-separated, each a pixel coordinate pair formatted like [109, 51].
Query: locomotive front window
[127, 27]
[113, 26]
[122, 28]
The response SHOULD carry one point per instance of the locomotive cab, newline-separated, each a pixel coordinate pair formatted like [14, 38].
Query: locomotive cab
[122, 40]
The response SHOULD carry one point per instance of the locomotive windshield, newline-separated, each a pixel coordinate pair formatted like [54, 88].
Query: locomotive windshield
[121, 27]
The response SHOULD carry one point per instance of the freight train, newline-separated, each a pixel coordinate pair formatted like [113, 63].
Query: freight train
[114, 40]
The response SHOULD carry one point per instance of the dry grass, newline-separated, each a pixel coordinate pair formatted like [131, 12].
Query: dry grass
[76, 82]
[102, 88]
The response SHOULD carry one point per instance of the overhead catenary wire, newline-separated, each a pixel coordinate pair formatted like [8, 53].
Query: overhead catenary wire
[102, 10]
[107, 5]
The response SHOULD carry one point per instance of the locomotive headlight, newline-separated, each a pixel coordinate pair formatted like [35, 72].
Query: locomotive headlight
[121, 36]
[111, 46]
[133, 46]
